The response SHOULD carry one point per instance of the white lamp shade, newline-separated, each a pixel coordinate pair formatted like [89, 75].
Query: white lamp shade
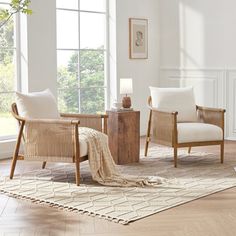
[126, 86]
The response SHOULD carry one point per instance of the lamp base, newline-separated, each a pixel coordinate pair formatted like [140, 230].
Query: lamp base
[126, 102]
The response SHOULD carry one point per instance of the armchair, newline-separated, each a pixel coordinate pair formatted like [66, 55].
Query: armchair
[184, 126]
[54, 139]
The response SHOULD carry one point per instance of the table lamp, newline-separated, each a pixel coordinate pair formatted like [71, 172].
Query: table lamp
[126, 88]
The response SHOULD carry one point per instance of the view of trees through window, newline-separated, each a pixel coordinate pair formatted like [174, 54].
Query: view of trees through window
[81, 55]
[7, 77]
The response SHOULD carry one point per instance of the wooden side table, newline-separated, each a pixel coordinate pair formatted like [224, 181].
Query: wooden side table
[123, 131]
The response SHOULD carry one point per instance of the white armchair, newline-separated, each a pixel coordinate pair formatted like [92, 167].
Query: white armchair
[176, 121]
[54, 137]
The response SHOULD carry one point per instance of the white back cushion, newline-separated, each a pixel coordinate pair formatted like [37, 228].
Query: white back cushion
[175, 99]
[38, 105]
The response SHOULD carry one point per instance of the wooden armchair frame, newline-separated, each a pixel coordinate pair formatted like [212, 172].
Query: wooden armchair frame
[164, 128]
[98, 122]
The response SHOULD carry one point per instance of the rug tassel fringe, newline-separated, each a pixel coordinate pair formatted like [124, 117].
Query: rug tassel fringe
[68, 209]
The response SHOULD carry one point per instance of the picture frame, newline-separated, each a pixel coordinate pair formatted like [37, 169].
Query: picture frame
[138, 38]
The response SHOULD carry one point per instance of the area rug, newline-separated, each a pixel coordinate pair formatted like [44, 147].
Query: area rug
[198, 174]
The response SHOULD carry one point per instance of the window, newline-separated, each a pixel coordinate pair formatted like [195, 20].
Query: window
[8, 75]
[81, 55]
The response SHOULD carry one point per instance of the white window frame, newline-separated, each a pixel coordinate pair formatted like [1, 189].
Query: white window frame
[106, 86]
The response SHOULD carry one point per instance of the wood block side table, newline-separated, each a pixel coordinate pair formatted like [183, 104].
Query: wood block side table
[124, 136]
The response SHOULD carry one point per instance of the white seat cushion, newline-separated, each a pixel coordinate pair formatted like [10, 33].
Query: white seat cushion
[175, 99]
[38, 105]
[198, 132]
[83, 147]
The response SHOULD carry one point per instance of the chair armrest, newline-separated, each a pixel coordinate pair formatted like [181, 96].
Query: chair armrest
[53, 121]
[94, 121]
[210, 109]
[214, 116]
[70, 115]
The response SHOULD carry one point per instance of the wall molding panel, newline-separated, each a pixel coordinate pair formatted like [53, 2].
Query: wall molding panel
[231, 104]
[213, 87]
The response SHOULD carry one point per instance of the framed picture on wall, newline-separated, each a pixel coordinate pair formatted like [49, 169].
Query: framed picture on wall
[138, 38]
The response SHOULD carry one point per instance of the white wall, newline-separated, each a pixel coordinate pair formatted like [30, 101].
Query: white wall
[202, 33]
[198, 48]
[143, 71]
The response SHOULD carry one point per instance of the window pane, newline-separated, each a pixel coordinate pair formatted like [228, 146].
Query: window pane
[68, 100]
[92, 30]
[8, 125]
[68, 4]
[7, 76]
[7, 56]
[92, 100]
[67, 29]
[7, 122]
[7, 32]
[68, 60]
[91, 68]
[67, 78]
[93, 5]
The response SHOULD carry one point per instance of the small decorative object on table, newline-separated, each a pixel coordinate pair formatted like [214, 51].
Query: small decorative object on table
[126, 87]
[116, 106]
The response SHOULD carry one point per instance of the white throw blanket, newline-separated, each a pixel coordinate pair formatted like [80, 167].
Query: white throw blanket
[102, 166]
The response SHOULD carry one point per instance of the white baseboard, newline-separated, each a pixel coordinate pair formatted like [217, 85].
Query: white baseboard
[5, 156]
[233, 138]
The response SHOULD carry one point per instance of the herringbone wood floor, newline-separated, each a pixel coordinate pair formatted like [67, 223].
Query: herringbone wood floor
[213, 215]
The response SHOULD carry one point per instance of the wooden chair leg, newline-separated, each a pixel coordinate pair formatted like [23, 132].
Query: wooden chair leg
[148, 133]
[77, 173]
[189, 150]
[175, 156]
[222, 153]
[13, 164]
[44, 165]
[77, 154]
[16, 151]
[146, 147]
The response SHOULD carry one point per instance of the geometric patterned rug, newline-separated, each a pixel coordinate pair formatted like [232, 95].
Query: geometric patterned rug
[198, 174]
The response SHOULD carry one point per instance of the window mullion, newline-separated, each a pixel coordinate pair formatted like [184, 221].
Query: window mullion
[106, 63]
[18, 54]
[86, 11]
[79, 73]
